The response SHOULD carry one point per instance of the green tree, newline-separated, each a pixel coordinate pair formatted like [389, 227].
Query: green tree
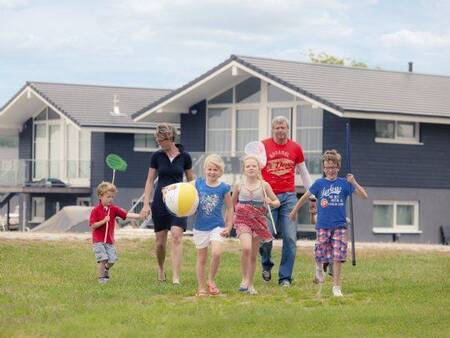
[334, 60]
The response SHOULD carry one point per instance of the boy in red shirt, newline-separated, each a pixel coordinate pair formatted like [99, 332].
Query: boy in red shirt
[103, 220]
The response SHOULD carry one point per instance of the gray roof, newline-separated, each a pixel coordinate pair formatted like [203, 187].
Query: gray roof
[91, 105]
[361, 89]
[348, 89]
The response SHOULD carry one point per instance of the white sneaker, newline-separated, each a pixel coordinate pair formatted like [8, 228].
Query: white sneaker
[337, 291]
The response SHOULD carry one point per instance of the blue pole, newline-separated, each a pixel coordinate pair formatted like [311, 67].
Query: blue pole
[349, 170]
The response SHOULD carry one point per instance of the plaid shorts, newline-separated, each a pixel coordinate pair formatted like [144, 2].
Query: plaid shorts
[331, 245]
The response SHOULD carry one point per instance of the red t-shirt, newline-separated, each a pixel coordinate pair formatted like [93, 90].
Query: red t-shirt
[281, 161]
[98, 214]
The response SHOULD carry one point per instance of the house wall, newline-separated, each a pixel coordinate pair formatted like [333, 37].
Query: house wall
[392, 165]
[433, 212]
[26, 140]
[193, 128]
[129, 183]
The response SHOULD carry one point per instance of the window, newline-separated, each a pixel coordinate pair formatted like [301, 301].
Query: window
[309, 135]
[395, 216]
[397, 132]
[78, 153]
[246, 127]
[275, 94]
[219, 129]
[145, 142]
[37, 209]
[235, 117]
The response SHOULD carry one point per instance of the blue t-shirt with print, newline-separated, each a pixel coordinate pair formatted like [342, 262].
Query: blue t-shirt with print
[211, 200]
[331, 200]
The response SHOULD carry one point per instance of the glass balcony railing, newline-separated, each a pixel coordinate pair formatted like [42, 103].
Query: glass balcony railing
[19, 171]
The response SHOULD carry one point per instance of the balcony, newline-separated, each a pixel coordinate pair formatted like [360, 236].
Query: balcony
[21, 173]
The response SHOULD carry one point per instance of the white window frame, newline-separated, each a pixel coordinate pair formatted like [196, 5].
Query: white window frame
[34, 202]
[143, 149]
[399, 140]
[398, 229]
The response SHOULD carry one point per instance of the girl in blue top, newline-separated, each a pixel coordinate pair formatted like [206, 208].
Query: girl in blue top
[331, 193]
[210, 228]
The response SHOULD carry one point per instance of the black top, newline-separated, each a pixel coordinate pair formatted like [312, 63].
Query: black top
[168, 173]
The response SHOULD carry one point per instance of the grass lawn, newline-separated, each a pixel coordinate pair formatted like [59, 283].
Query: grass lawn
[50, 289]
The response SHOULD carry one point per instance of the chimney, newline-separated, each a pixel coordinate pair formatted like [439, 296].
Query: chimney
[116, 109]
[410, 67]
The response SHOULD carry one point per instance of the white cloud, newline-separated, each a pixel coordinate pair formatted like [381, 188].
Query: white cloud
[13, 4]
[415, 39]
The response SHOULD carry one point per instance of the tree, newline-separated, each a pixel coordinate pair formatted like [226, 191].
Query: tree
[334, 60]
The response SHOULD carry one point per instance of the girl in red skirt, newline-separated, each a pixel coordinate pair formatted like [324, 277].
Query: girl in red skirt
[250, 198]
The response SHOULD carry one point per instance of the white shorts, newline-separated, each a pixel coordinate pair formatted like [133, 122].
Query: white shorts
[203, 238]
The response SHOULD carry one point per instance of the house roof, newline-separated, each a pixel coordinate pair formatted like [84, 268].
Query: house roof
[91, 105]
[347, 91]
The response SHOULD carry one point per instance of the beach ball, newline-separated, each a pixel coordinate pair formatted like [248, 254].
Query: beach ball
[181, 199]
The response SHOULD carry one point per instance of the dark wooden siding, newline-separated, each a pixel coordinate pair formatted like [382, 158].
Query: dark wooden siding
[193, 127]
[26, 140]
[138, 162]
[97, 158]
[392, 165]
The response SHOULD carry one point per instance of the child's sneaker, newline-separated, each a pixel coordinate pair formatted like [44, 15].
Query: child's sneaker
[102, 280]
[318, 277]
[337, 291]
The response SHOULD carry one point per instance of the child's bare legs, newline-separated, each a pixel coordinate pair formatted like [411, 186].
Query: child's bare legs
[216, 252]
[177, 252]
[101, 268]
[252, 266]
[246, 251]
[337, 268]
[202, 256]
[161, 242]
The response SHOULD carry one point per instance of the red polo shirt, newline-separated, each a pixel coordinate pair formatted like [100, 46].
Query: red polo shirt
[98, 214]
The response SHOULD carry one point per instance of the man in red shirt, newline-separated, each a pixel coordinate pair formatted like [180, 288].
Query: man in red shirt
[284, 156]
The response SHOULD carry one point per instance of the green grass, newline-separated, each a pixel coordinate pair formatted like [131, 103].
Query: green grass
[50, 289]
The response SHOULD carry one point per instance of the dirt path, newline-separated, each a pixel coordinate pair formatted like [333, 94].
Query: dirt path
[143, 234]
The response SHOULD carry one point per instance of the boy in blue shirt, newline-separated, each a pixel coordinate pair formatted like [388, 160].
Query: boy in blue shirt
[332, 235]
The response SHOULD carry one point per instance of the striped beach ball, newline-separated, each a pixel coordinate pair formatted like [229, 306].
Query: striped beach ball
[181, 199]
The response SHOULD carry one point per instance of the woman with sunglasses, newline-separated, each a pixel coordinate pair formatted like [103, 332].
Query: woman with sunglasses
[168, 165]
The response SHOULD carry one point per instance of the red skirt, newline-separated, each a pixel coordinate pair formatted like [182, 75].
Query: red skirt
[252, 219]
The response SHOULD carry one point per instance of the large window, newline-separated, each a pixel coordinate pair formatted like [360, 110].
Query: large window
[219, 129]
[60, 150]
[244, 113]
[396, 132]
[309, 126]
[47, 143]
[395, 216]
[78, 153]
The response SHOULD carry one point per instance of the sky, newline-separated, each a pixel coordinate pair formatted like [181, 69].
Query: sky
[165, 44]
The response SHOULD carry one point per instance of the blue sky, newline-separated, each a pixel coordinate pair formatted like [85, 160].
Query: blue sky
[164, 44]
